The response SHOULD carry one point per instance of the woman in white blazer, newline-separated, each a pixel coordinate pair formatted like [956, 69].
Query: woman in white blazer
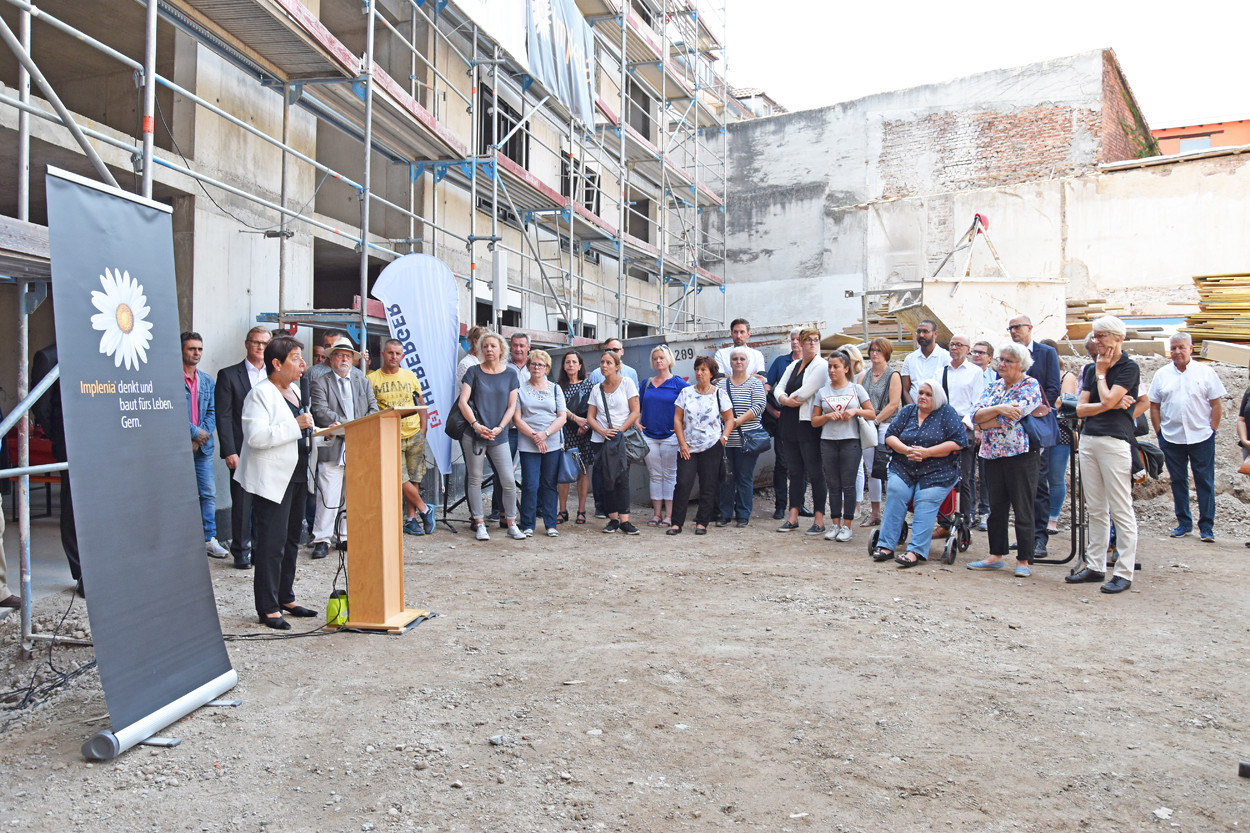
[795, 393]
[273, 445]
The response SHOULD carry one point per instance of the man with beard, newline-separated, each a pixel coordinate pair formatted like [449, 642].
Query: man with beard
[925, 363]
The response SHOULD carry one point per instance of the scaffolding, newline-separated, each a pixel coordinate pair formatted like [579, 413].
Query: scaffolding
[461, 153]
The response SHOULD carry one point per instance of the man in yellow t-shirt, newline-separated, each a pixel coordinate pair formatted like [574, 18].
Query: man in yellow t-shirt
[397, 387]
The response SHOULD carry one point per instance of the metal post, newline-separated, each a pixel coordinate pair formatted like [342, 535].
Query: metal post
[282, 197]
[367, 70]
[149, 96]
[23, 127]
[624, 171]
[499, 295]
[23, 457]
[10, 40]
[475, 139]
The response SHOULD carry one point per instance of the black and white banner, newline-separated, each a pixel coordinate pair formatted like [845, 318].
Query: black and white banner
[423, 311]
[153, 617]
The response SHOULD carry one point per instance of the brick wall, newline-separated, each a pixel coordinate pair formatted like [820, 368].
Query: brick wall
[968, 149]
[1116, 141]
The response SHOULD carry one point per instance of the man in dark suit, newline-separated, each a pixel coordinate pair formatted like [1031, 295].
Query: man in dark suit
[1045, 370]
[233, 385]
[48, 416]
[339, 396]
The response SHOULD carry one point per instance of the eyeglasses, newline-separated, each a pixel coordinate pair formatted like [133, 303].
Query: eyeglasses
[812, 340]
[955, 344]
[1007, 361]
[1014, 327]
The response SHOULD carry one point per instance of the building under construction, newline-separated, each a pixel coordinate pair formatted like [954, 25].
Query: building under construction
[561, 158]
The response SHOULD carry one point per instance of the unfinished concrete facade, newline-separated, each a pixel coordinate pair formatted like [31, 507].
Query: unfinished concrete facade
[874, 193]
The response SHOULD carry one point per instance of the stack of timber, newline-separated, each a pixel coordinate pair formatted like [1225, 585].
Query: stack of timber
[1082, 313]
[1223, 308]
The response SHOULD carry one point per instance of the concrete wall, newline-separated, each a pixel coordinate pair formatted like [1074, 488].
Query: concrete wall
[873, 193]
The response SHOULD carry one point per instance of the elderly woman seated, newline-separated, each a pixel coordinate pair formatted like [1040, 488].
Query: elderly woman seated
[926, 438]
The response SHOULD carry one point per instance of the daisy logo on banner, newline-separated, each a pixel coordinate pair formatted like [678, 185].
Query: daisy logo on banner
[122, 317]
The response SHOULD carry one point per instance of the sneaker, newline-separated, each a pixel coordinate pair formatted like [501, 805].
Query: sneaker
[413, 526]
[482, 534]
[742, 524]
[599, 513]
[1207, 537]
[833, 533]
[529, 533]
[628, 528]
[427, 519]
[984, 526]
[1179, 532]
[493, 517]
[1022, 571]
[613, 525]
[815, 529]
[844, 534]
[722, 522]
[515, 533]
[215, 550]
[552, 532]
[787, 527]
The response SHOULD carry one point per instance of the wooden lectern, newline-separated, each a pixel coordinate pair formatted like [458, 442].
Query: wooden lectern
[375, 555]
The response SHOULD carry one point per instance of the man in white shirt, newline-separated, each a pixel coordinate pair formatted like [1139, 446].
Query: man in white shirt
[962, 380]
[982, 356]
[925, 363]
[233, 385]
[1185, 411]
[740, 332]
[613, 345]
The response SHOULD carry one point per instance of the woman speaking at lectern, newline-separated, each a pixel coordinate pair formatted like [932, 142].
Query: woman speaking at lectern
[274, 452]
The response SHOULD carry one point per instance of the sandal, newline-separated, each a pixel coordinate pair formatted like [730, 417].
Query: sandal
[581, 518]
[562, 518]
[669, 522]
[871, 520]
[882, 554]
[904, 562]
[655, 521]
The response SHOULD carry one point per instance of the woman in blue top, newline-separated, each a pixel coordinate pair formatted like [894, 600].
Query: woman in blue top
[926, 438]
[656, 405]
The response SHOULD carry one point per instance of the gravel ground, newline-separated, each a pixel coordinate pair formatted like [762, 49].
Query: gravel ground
[740, 680]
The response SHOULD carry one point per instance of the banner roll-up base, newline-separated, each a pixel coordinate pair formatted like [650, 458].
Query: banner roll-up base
[104, 746]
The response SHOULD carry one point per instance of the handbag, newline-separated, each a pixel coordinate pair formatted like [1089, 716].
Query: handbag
[881, 463]
[570, 466]
[755, 441]
[867, 433]
[577, 401]
[636, 447]
[456, 425]
[1043, 431]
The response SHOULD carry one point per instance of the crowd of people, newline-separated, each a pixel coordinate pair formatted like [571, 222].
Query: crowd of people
[973, 426]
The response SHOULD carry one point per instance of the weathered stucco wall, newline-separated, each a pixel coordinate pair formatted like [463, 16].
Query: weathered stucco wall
[875, 192]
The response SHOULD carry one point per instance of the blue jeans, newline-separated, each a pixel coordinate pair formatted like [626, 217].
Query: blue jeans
[1059, 456]
[925, 505]
[737, 492]
[538, 487]
[208, 493]
[1179, 457]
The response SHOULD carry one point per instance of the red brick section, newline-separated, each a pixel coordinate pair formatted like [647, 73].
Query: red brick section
[971, 149]
[1115, 143]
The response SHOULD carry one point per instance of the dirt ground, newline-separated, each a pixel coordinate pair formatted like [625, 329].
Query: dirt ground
[743, 680]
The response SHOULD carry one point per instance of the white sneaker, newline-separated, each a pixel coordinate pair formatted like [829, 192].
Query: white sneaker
[553, 533]
[833, 533]
[844, 533]
[482, 534]
[215, 550]
[515, 533]
[529, 533]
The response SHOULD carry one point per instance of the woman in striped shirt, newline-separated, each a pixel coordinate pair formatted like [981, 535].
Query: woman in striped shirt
[746, 393]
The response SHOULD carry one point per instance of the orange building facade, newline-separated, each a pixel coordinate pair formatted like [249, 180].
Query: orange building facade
[1173, 140]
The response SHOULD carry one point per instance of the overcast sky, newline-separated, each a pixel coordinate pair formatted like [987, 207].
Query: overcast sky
[1184, 62]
